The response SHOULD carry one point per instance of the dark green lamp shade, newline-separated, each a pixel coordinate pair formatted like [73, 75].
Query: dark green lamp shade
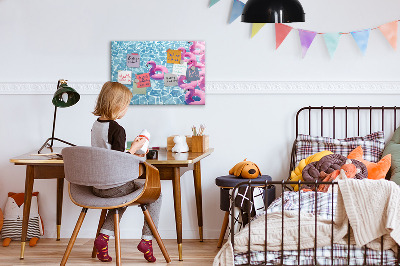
[273, 11]
[65, 96]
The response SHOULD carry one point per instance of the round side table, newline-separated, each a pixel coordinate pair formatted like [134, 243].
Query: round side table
[228, 182]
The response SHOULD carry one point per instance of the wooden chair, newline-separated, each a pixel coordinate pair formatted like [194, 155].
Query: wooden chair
[85, 167]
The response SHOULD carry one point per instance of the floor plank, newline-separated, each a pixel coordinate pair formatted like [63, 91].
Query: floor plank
[49, 252]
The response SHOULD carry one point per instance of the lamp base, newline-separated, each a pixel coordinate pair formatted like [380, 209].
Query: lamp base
[50, 146]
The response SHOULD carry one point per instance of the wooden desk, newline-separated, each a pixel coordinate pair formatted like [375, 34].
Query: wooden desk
[168, 164]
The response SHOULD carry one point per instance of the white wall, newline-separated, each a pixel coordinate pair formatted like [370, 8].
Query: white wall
[42, 41]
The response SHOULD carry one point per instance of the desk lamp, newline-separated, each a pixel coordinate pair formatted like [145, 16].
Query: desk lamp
[64, 96]
[273, 11]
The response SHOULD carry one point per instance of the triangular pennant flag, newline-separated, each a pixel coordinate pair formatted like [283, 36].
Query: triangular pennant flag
[213, 2]
[389, 30]
[332, 41]
[306, 39]
[281, 31]
[237, 9]
[361, 37]
[256, 27]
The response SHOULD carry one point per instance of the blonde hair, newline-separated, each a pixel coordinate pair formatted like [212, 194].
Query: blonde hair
[112, 99]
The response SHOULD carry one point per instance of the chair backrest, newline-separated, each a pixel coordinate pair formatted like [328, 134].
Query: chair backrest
[92, 166]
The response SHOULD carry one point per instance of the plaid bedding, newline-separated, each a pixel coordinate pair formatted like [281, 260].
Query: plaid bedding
[306, 202]
[372, 145]
[340, 253]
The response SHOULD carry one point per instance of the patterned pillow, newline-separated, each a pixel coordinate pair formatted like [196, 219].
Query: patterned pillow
[372, 144]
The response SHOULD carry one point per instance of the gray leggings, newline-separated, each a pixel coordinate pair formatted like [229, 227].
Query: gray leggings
[154, 208]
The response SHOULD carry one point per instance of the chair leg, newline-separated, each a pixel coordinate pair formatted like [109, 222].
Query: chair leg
[117, 239]
[101, 222]
[154, 230]
[73, 237]
[223, 229]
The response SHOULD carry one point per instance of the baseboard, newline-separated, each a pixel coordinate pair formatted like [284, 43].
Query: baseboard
[231, 87]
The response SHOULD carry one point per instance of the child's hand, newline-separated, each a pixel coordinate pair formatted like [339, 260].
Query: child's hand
[137, 144]
[143, 155]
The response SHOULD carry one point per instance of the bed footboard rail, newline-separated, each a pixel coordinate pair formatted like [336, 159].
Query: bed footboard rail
[282, 257]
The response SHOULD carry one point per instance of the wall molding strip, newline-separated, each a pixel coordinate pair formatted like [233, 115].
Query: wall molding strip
[231, 87]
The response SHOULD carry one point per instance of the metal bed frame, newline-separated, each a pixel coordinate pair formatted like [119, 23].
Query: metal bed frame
[283, 184]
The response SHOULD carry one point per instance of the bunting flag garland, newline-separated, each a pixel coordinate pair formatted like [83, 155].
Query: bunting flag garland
[213, 2]
[237, 9]
[306, 39]
[281, 31]
[256, 27]
[389, 30]
[361, 38]
[332, 41]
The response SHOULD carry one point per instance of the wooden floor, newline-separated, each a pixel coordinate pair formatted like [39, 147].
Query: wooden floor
[50, 252]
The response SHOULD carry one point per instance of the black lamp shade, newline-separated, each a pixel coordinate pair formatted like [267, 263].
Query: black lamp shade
[273, 11]
[65, 96]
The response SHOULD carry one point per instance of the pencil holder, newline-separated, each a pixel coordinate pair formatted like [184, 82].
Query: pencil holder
[200, 143]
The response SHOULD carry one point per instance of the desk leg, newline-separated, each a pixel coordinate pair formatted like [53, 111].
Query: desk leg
[60, 190]
[199, 204]
[176, 182]
[27, 206]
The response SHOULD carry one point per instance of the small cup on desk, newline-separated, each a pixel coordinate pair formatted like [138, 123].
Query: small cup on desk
[152, 155]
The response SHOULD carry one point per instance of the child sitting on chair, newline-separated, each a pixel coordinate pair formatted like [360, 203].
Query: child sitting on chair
[112, 103]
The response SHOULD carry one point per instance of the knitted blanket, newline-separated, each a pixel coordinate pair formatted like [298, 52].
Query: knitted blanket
[274, 235]
[371, 207]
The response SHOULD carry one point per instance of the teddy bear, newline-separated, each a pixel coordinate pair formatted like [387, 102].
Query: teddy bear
[245, 169]
[180, 144]
[13, 215]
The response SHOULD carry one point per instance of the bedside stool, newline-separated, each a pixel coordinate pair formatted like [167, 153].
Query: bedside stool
[228, 182]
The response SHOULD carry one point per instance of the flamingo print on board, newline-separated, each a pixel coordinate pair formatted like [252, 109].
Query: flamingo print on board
[162, 62]
[195, 96]
[195, 64]
[186, 56]
[198, 48]
[202, 83]
[203, 59]
[183, 85]
[155, 69]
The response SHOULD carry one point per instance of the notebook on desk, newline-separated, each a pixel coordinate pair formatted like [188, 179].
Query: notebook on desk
[50, 156]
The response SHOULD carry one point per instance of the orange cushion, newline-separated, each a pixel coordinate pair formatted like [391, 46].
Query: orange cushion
[375, 170]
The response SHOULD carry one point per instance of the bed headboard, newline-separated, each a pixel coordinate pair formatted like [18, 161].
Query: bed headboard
[345, 117]
[344, 121]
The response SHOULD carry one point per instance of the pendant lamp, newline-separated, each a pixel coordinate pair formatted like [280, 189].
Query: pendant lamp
[273, 11]
[64, 96]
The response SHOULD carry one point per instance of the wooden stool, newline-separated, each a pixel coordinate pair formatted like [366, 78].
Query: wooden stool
[226, 183]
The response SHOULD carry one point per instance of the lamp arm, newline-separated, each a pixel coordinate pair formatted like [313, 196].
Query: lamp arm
[54, 119]
[54, 126]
